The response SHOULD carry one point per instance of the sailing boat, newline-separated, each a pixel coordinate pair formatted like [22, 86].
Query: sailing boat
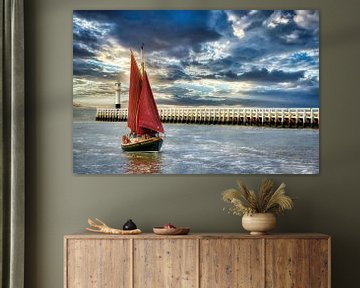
[143, 118]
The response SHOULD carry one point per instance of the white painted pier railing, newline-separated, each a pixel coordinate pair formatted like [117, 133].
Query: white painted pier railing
[274, 117]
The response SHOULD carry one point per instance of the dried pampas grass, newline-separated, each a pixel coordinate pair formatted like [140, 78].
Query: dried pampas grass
[267, 200]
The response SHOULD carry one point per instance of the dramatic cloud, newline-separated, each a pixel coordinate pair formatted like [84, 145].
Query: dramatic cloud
[82, 51]
[307, 19]
[263, 75]
[249, 58]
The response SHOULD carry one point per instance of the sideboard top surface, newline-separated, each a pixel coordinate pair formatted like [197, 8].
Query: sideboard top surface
[87, 235]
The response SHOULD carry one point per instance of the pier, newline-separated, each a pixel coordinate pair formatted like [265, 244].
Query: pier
[270, 117]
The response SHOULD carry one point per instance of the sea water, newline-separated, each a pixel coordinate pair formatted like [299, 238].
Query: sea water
[196, 149]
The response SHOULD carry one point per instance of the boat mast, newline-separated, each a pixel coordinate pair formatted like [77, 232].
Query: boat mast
[142, 59]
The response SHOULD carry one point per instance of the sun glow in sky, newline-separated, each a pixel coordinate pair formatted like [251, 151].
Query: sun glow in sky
[250, 58]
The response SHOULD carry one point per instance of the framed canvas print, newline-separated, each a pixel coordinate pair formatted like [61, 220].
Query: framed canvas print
[196, 92]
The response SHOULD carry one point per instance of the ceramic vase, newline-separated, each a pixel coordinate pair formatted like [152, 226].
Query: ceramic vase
[259, 223]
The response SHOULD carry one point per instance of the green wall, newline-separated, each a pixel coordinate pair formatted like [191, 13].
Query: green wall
[58, 202]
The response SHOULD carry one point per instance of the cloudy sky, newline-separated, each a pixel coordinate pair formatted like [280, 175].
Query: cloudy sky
[247, 58]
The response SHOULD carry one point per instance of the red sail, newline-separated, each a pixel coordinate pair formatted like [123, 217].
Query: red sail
[134, 95]
[148, 115]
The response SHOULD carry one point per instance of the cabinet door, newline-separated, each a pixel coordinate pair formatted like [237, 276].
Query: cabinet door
[287, 263]
[320, 263]
[98, 263]
[165, 263]
[231, 263]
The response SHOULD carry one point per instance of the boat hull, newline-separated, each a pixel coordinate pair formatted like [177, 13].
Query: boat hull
[152, 144]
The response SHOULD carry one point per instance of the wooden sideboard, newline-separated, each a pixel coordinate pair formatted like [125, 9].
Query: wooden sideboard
[197, 260]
